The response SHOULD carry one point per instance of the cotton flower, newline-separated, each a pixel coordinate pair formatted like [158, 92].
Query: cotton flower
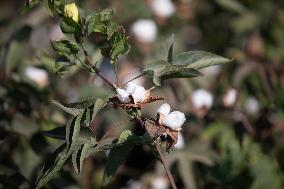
[39, 76]
[202, 98]
[137, 92]
[71, 11]
[173, 120]
[163, 8]
[230, 97]
[145, 30]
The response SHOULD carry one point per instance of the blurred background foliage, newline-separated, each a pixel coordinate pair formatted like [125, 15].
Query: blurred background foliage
[233, 137]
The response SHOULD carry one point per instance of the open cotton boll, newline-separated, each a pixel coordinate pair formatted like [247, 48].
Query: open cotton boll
[130, 86]
[39, 76]
[139, 94]
[159, 183]
[252, 105]
[163, 8]
[174, 120]
[230, 97]
[164, 109]
[180, 142]
[122, 95]
[145, 30]
[202, 98]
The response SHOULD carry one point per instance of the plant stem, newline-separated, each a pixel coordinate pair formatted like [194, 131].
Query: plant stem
[168, 172]
[116, 75]
[96, 70]
[140, 75]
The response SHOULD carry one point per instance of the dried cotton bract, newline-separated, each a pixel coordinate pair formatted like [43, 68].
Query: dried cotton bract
[173, 120]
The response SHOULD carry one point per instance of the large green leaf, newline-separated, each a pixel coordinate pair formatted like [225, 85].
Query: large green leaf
[53, 164]
[81, 152]
[65, 47]
[72, 131]
[119, 45]
[199, 59]
[162, 70]
[69, 26]
[117, 156]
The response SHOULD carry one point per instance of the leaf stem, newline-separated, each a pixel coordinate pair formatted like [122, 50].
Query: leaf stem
[168, 172]
[136, 77]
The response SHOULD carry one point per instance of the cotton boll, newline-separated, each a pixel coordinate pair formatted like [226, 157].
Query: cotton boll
[130, 86]
[39, 76]
[252, 105]
[174, 120]
[160, 183]
[164, 109]
[139, 94]
[163, 8]
[180, 143]
[122, 95]
[230, 97]
[145, 30]
[202, 98]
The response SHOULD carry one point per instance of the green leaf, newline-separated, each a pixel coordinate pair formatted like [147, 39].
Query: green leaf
[117, 156]
[119, 45]
[53, 164]
[232, 5]
[72, 131]
[101, 22]
[65, 47]
[80, 153]
[199, 59]
[69, 26]
[162, 70]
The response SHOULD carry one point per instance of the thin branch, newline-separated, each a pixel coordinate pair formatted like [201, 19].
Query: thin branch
[96, 70]
[116, 75]
[136, 77]
[168, 172]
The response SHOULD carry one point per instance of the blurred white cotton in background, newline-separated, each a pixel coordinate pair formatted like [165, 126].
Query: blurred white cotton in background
[160, 183]
[145, 30]
[252, 105]
[180, 143]
[201, 98]
[230, 97]
[39, 76]
[163, 8]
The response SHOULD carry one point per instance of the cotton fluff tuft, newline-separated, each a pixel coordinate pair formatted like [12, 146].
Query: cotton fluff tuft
[163, 8]
[145, 30]
[137, 92]
[39, 76]
[122, 95]
[180, 142]
[173, 120]
[202, 98]
[164, 109]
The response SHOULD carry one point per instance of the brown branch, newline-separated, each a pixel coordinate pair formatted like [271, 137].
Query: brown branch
[96, 70]
[168, 172]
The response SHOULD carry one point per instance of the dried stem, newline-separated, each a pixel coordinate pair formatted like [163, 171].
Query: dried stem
[168, 172]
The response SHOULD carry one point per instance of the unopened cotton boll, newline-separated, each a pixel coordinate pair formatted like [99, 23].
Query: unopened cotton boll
[174, 120]
[164, 109]
[202, 98]
[163, 8]
[39, 76]
[139, 94]
[145, 30]
[122, 95]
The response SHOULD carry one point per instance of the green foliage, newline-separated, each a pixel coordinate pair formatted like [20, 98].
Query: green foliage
[65, 47]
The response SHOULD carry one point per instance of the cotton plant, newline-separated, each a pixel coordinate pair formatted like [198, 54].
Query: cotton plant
[160, 129]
